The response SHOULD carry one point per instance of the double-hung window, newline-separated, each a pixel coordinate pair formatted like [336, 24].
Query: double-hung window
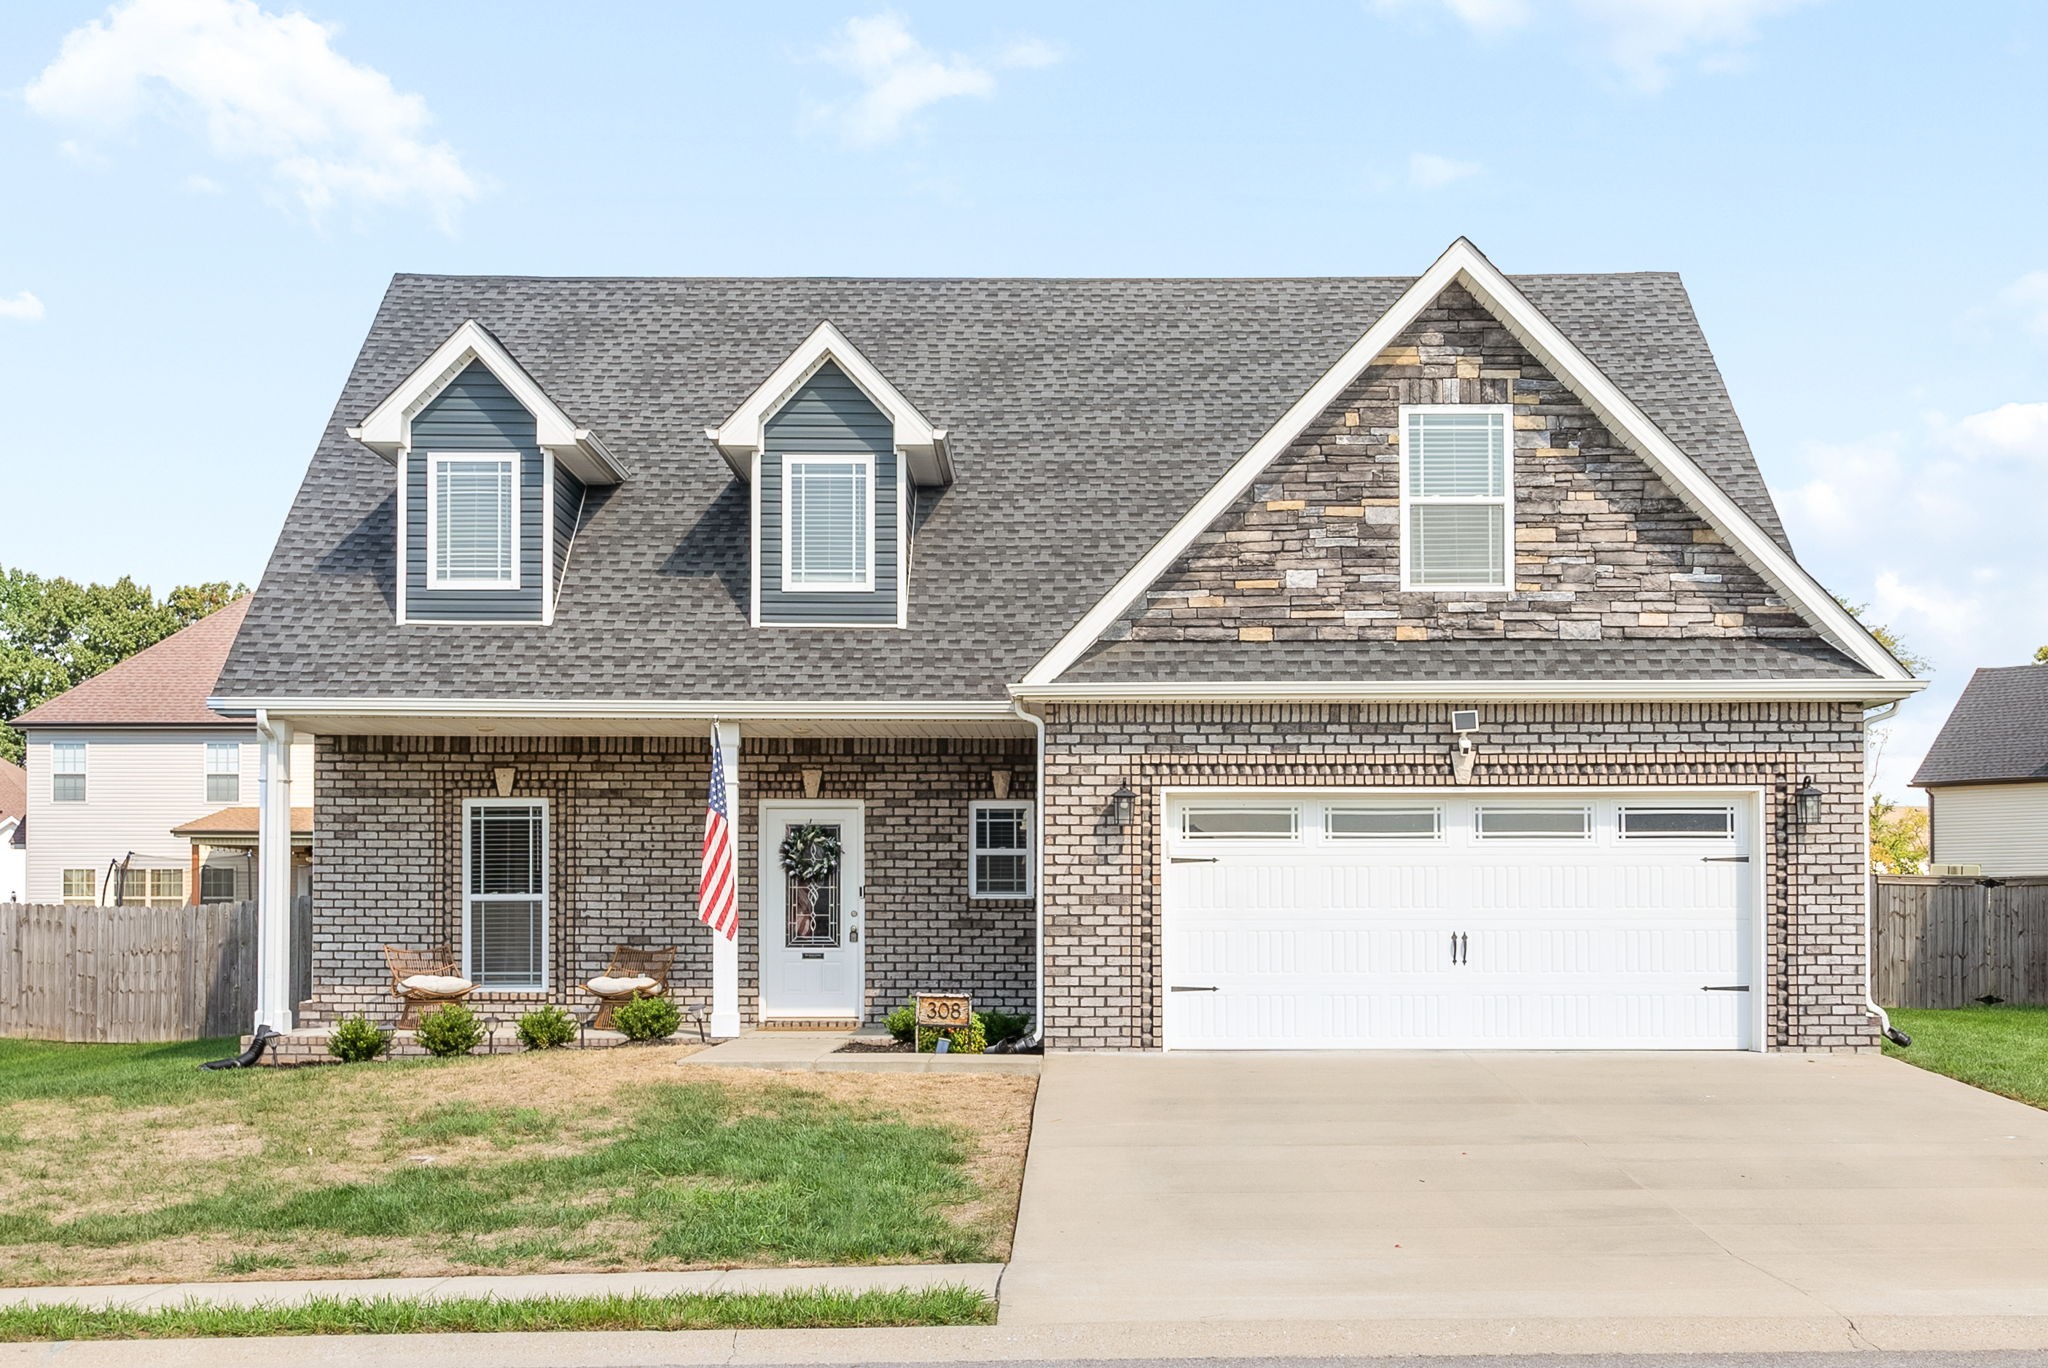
[67, 771]
[999, 856]
[828, 523]
[153, 887]
[216, 883]
[1457, 489]
[473, 520]
[223, 771]
[81, 886]
[505, 893]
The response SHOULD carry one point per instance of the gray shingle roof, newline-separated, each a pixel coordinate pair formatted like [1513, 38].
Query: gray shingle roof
[1086, 417]
[1998, 731]
[1507, 659]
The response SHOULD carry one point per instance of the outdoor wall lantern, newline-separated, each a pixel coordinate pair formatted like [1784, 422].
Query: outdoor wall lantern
[1805, 804]
[1123, 805]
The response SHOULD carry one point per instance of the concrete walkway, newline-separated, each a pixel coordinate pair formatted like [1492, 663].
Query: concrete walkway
[817, 1051]
[144, 1296]
[1482, 1188]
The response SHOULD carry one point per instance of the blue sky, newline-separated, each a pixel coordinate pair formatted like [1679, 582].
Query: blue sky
[208, 196]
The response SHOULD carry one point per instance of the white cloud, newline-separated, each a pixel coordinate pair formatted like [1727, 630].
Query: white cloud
[23, 308]
[1937, 529]
[260, 87]
[2028, 297]
[196, 184]
[1428, 171]
[900, 76]
[1641, 39]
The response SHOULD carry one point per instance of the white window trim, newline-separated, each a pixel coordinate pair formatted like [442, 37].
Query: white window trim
[234, 749]
[1335, 807]
[82, 773]
[1622, 811]
[1505, 500]
[1589, 832]
[974, 811]
[435, 460]
[864, 459]
[547, 893]
[1292, 837]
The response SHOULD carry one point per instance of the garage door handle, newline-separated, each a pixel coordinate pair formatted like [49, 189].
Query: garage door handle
[1191, 859]
[1725, 988]
[1192, 988]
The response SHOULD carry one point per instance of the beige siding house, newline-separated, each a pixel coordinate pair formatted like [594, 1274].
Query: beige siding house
[1986, 776]
[117, 764]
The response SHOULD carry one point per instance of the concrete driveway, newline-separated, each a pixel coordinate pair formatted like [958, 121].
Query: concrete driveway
[1452, 1187]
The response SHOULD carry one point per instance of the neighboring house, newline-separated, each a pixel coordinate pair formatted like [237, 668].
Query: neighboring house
[1193, 663]
[13, 831]
[1986, 775]
[117, 762]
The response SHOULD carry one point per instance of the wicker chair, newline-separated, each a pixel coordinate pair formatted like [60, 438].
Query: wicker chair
[424, 978]
[633, 971]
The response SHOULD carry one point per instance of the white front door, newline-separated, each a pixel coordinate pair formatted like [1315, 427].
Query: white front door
[811, 933]
[1356, 920]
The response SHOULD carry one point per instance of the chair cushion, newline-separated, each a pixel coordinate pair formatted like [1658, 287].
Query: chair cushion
[619, 987]
[444, 984]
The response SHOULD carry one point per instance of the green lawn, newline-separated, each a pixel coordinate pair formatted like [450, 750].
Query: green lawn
[2001, 1048]
[122, 1163]
[805, 1310]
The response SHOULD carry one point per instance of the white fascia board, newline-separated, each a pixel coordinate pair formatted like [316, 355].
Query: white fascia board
[1480, 690]
[1463, 263]
[388, 429]
[739, 436]
[863, 710]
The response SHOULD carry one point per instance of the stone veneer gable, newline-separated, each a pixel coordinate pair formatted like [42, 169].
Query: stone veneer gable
[1603, 548]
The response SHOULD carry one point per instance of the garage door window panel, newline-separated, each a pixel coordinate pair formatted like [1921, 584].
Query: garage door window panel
[1677, 823]
[1535, 823]
[1384, 824]
[1241, 824]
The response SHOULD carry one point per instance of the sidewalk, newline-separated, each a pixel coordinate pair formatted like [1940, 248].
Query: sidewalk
[815, 1051]
[144, 1296]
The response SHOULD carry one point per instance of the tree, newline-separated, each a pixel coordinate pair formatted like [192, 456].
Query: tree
[55, 633]
[1898, 837]
[1914, 662]
[2041, 655]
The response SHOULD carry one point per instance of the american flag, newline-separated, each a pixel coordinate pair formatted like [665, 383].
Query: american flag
[718, 893]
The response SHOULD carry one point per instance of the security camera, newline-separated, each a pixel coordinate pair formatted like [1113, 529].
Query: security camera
[1464, 721]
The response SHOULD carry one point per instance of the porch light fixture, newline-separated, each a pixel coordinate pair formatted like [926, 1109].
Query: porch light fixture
[1123, 805]
[1805, 804]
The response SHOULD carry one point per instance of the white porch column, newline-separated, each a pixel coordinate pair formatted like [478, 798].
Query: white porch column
[274, 877]
[725, 954]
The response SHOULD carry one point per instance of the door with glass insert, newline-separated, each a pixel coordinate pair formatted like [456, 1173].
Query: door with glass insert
[811, 916]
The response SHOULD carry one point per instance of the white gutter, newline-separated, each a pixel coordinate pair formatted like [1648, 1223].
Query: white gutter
[1884, 1019]
[1479, 690]
[1037, 875]
[915, 710]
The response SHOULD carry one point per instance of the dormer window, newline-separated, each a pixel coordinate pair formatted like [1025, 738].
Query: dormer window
[828, 524]
[1457, 496]
[473, 520]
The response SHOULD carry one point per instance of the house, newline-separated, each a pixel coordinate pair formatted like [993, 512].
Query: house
[1192, 663]
[1986, 776]
[13, 831]
[118, 762]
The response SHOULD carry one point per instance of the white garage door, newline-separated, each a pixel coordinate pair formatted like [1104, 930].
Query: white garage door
[1349, 921]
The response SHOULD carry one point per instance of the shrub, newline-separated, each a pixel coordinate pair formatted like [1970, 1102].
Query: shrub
[647, 1018]
[902, 1022]
[548, 1028]
[449, 1030]
[969, 1039]
[356, 1039]
[1004, 1027]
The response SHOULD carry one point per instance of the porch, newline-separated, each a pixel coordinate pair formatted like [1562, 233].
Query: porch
[533, 856]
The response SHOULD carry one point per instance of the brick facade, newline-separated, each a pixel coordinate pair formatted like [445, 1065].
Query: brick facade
[625, 826]
[1603, 548]
[1102, 941]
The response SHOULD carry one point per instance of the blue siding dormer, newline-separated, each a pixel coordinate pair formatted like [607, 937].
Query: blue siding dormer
[476, 413]
[829, 416]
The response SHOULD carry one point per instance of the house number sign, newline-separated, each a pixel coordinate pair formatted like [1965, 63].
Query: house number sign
[943, 1010]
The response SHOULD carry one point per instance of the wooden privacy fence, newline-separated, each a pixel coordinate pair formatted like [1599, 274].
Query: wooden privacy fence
[128, 973]
[1948, 942]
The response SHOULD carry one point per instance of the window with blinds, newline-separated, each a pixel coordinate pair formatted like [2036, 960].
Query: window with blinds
[1457, 488]
[999, 850]
[223, 771]
[504, 879]
[828, 523]
[473, 517]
